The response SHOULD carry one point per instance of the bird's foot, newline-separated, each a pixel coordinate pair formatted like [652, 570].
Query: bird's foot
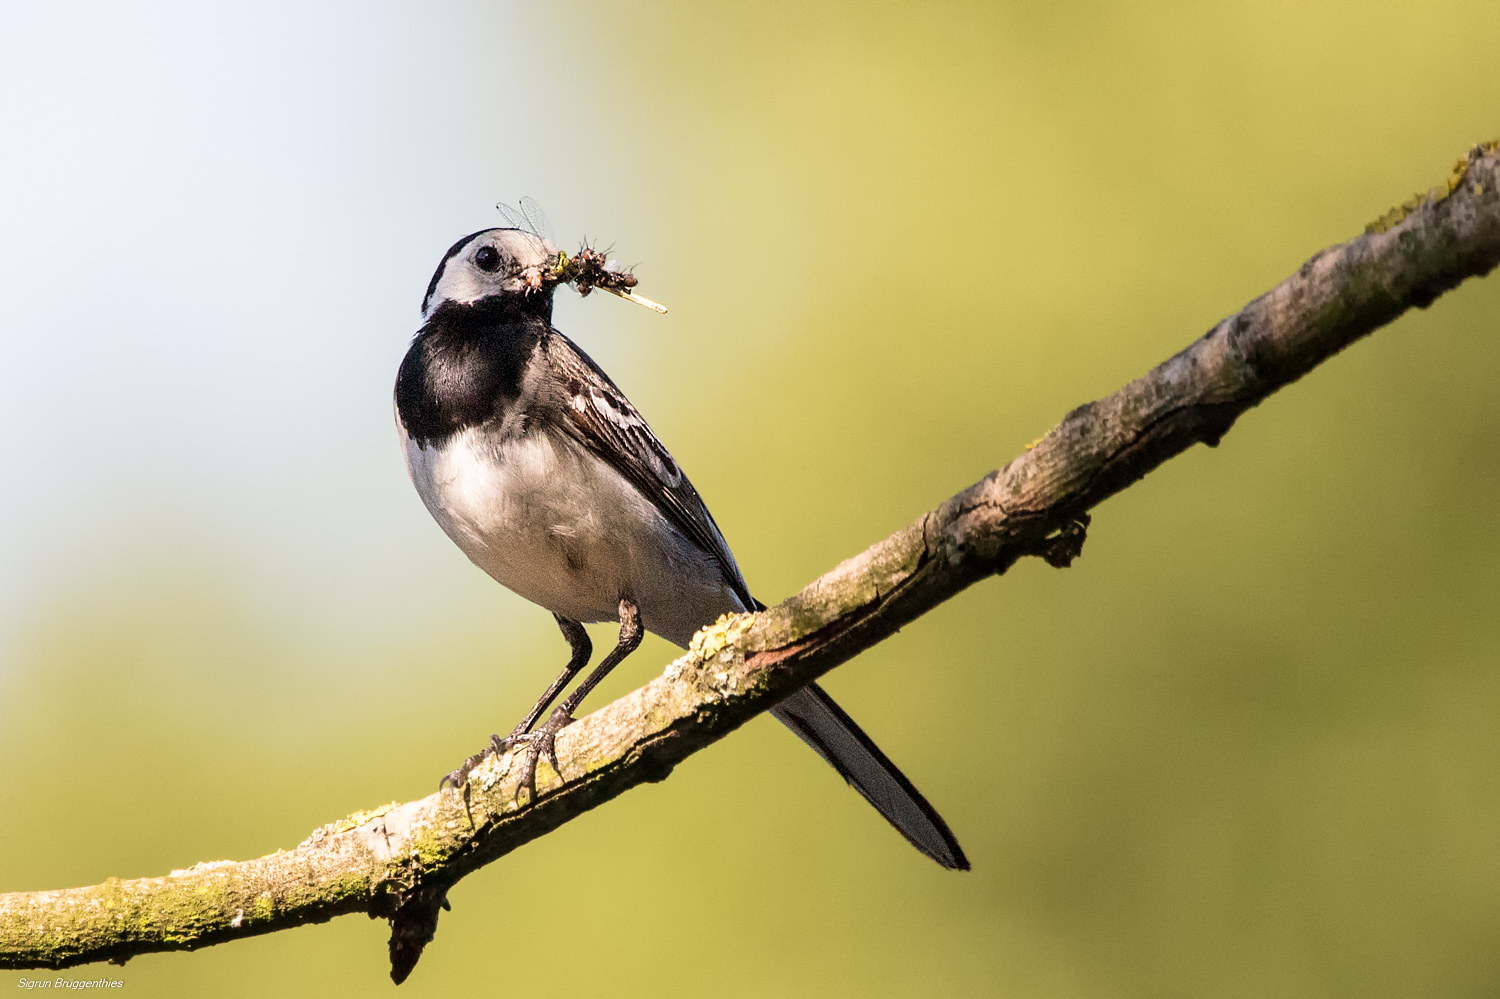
[458, 779]
[541, 741]
[498, 747]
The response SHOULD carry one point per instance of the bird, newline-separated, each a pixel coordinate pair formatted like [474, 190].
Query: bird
[537, 466]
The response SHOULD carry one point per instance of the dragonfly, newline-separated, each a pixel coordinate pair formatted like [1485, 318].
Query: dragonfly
[588, 269]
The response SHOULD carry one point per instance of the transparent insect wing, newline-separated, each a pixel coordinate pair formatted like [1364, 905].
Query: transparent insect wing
[536, 219]
[530, 219]
[512, 216]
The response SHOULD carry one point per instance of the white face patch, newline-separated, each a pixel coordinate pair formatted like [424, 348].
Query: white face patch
[522, 260]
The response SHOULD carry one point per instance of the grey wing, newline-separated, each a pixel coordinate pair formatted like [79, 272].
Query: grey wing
[603, 420]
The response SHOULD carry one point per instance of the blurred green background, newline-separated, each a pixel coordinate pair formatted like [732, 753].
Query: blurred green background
[1246, 746]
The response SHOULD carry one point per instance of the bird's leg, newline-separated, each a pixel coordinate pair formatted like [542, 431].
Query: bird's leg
[578, 639]
[543, 740]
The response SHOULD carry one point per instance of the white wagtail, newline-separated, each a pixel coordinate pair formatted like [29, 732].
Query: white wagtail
[540, 469]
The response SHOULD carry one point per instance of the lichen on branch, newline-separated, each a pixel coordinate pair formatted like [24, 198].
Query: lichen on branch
[398, 861]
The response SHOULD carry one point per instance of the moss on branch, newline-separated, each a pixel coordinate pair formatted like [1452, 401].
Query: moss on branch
[399, 861]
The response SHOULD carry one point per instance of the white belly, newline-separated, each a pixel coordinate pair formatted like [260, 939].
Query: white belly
[563, 529]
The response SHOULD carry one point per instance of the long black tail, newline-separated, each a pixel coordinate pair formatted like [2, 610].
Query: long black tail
[824, 726]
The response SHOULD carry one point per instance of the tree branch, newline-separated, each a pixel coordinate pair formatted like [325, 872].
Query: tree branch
[399, 861]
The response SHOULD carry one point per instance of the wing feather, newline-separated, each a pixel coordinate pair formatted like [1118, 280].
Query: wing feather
[600, 417]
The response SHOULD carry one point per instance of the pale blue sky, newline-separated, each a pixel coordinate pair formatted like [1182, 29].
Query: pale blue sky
[217, 227]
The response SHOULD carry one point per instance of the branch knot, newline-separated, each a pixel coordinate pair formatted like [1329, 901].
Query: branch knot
[1066, 543]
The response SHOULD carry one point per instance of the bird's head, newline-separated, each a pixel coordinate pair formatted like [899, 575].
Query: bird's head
[500, 265]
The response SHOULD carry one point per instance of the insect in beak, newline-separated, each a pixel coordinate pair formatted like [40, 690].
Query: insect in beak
[590, 269]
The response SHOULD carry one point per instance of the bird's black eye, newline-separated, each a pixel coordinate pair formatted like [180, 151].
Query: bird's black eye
[487, 259]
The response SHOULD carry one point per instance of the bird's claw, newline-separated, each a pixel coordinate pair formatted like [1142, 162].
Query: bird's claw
[541, 741]
[459, 779]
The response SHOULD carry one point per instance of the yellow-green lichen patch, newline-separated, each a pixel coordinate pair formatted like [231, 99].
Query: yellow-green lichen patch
[359, 818]
[491, 769]
[727, 630]
[1436, 194]
[709, 642]
[432, 847]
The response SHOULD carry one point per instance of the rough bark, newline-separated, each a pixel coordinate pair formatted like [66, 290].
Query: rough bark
[399, 861]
